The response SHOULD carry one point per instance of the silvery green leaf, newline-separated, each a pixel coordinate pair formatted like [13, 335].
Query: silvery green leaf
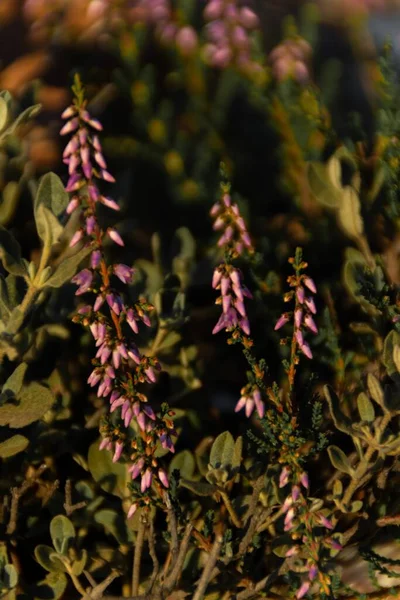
[16, 379]
[51, 192]
[349, 213]
[34, 401]
[365, 408]
[47, 558]
[4, 113]
[391, 340]
[322, 188]
[62, 533]
[9, 201]
[339, 460]
[67, 269]
[10, 576]
[10, 254]
[375, 389]
[14, 445]
[222, 450]
[342, 422]
[185, 463]
[48, 227]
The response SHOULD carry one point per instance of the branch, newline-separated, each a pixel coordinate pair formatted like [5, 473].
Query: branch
[208, 569]
[137, 556]
[172, 578]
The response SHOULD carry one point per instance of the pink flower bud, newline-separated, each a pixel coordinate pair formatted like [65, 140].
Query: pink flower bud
[118, 451]
[308, 282]
[283, 319]
[302, 591]
[70, 126]
[162, 475]
[114, 235]
[78, 235]
[309, 322]
[132, 510]
[186, 40]
[248, 18]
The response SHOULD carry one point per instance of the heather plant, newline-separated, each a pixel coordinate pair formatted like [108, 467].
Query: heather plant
[207, 406]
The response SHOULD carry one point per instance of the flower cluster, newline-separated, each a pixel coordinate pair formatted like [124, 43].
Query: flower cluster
[300, 521]
[291, 59]
[250, 399]
[119, 367]
[228, 32]
[304, 306]
[235, 240]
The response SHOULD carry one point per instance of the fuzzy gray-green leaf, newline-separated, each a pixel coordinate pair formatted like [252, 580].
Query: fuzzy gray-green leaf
[342, 422]
[62, 533]
[222, 450]
[34, 401]
[10, 254]
[14, 445]
[365, 408]
[339, 460]
[67, 269]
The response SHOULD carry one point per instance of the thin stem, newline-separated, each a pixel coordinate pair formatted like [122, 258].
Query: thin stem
[210, 564]
[137, 556]
[153, 554]
[232, 513]
[173, 576]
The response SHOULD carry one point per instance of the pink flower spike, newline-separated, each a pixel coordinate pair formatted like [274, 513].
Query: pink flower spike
[308, 282]
[302, 591]
[114, 235]
[283, 319]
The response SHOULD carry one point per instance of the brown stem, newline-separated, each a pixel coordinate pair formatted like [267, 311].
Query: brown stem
[137, 556]
[207, 572]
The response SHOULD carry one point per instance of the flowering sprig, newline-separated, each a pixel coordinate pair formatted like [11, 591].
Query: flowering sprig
[228, 32]
[302, 316]
[119, 367]
[303, 521]
[291, 58]
[235, 242]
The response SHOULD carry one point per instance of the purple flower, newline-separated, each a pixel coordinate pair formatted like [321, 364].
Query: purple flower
[306, 350]
[73, 205]
[304, 480]
[124, 273]
[147, 478]
[309, 322]
[70, 126]
[300, 294]
[109, 202]
[95, 259]
[309, 283]
[132, 510]
[325, 522]
[83, 280]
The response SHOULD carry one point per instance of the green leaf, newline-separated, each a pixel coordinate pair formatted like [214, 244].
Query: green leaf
[34, 401]
[349, 215]
[27, 114]
[237, 453]
[47, 225]
[342, 422]
[365, 408]
[67, 269]
[356, 506]
[199, 487]
[79, 563]
[322, 188]
[337, 488]
[339, 460]
[51, 193]
[14, 445]
[47, 558]
[15, 381]
[10, 576]
[62, 533]
[114, 523]
[112, 477]
[10, 254]
[222, 450]
[3, 113]
[185, 463]
[391, 341]
[11, 193]
[52, 587]
[375, 389]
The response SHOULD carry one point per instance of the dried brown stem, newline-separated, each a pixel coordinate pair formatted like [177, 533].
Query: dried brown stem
[137, 555]
[68, 506]
[172, 578]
